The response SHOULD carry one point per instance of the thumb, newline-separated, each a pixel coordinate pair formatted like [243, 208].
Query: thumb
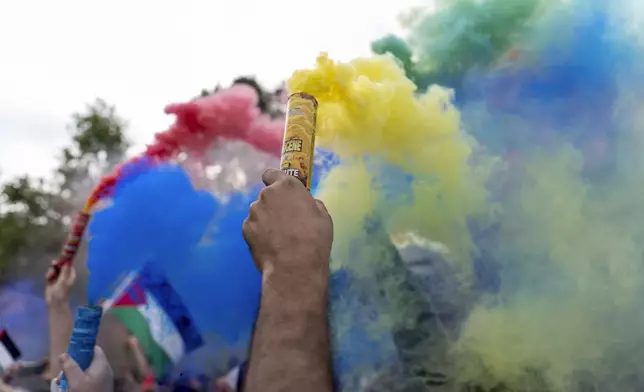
[72, 371]
[271, 176]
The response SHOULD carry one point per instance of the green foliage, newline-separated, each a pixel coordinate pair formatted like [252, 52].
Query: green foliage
[98, 130]
[35, 213]
[98, 142]
[460, 35]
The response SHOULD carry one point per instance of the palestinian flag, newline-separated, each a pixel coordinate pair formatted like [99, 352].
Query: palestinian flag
[153, 312]
[9, 352]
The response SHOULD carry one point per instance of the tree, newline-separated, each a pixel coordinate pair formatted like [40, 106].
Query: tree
[98, 143]
[35, 212]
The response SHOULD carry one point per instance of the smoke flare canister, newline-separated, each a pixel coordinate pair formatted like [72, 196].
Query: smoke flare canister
[70, 248]
[83, 339]
[299, 137]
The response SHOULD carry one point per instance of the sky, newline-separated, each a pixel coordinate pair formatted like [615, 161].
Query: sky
[139, 55]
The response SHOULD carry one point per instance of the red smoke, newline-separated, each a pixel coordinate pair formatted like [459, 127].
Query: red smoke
[230, 114]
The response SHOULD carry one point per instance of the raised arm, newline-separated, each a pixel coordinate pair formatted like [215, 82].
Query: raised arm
[61, 320]
[290, 235]
[142, 365]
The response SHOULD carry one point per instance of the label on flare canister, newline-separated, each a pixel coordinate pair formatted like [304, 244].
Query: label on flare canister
[299, 137]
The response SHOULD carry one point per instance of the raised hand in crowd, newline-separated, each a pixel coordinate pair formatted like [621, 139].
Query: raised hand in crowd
[229, 382]
[142, 365]
[10, 372]
[222, 385]
[26, 376]
[61, 321]
[4, 387]
[57, 291]
[289, 234]
[7, 375]
[99, 377]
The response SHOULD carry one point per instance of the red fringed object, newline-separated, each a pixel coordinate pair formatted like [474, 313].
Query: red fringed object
[71, 245]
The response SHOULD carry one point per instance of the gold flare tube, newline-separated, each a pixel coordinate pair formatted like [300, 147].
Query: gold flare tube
[299, 137]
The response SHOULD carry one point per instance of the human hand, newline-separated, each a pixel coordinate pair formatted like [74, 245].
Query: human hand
[229, 382]
[195, 384]
[99, 377]
[4, 387]
[10, 372]
[132, 342]
[287, 229]
[222, 385]
[57, 291]
[149, 384]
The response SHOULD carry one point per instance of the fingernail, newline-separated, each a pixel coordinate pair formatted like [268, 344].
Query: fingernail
[63, 357]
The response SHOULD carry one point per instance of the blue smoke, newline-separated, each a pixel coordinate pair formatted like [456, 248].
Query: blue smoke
[196, 239]
[23, 313]
[157, 215]
[566, 80]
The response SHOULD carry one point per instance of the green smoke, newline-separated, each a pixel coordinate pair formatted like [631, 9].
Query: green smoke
[461, 35]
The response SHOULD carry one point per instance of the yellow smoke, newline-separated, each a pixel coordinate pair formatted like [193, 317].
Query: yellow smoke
[570, 251]
[571, 305]
[368, 108]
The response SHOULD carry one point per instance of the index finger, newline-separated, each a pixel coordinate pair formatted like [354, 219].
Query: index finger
[271, 176]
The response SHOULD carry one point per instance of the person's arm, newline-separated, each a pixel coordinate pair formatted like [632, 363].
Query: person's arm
[290, 235]
[290, 350]
[61, 320]
[61, 323]
[142, 365]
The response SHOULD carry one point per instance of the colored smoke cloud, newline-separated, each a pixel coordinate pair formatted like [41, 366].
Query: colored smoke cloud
[403, 166]
[23, 314]
[559, 281]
